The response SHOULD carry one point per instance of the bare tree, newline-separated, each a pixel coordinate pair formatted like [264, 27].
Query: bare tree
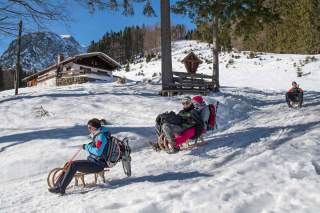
[125, 5]
[36, 13]
[151, 41]
[17, 74]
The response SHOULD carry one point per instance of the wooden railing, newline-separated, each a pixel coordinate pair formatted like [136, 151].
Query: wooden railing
[190, 83]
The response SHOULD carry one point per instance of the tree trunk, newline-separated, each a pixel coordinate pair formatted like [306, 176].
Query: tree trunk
[17, 74]
[215, 51]
[1, 79]
[166, 63]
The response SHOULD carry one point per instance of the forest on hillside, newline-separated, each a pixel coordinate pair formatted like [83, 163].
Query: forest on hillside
[288, 27]
[293, 28]
[135, 42]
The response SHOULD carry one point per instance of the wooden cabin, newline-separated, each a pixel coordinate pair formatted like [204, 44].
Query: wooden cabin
[75, 70]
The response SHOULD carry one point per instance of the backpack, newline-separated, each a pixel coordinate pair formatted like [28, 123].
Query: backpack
[212, 117]
[118, 150]
[169, 117]
[111, 153]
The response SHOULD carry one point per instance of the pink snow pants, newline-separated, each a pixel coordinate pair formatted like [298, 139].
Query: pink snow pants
[187, 134]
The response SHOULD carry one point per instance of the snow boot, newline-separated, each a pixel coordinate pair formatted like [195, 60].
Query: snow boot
[172, 149]
[57, 190]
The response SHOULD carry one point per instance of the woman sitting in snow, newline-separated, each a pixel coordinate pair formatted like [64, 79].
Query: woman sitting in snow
[94, 163]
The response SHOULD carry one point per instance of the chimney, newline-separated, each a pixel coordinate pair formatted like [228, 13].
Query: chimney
[60, 58]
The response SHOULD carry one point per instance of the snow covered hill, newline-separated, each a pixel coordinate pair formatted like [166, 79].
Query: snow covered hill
[40, 50]
[258, 160]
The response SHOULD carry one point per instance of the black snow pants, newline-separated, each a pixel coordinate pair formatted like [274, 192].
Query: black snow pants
[85, 166]
[294, 97]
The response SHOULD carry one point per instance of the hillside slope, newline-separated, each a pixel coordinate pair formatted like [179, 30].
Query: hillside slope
[258, 160]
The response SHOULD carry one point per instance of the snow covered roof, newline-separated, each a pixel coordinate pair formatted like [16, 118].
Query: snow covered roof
[102, 55]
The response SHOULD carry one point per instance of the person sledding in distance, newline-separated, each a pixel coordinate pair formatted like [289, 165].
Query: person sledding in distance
[100, 153]
[169, 126]
[294, 96]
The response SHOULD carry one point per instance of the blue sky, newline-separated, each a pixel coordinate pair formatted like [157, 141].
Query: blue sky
[86, 27]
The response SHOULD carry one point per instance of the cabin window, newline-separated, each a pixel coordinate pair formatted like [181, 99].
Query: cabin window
[103, 72]
[85, 70]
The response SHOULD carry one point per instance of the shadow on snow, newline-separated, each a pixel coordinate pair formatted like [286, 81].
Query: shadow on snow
[170, 176]
[239, 141]
[67, 133]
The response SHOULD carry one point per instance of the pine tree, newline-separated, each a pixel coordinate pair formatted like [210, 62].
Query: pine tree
[1, 79]
[127, 68]
[297, 32]
[132, 42]
[244, 13]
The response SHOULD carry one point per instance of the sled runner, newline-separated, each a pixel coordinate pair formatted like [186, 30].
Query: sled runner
[294, 104]
[163, 145]
[190, 144]
[117, 150]
[79, 177]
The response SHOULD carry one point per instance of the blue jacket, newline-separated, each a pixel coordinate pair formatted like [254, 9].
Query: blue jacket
[98, 144]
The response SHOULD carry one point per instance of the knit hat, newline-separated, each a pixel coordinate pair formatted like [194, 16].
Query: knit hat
[186, 98]
[197, 99]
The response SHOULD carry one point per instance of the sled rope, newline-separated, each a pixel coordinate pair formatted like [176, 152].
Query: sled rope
[67, 165]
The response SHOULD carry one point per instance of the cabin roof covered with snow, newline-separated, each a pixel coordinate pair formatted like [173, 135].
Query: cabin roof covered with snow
[114, 64]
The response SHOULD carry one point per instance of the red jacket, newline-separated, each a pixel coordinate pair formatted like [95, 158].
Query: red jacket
[295, 90]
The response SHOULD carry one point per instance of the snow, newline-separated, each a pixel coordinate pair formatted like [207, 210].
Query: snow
[65, 36]
[258, 160]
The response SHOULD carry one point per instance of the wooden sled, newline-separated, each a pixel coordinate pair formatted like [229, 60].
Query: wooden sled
[192, 143]
[115, 155]
[79, 177]
[164, 145]
[294, 104]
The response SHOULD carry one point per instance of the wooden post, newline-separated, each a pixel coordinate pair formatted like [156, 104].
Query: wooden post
[215, 51]
[166, 61]
[17, 74]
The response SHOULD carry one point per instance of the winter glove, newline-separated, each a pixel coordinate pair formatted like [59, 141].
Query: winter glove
[84, 146]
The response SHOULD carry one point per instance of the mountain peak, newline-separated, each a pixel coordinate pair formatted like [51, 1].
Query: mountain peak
[65, 36]
[40, 50]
